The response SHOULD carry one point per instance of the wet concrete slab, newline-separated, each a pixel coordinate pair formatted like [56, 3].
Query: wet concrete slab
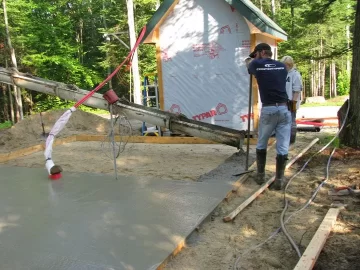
[93, 221]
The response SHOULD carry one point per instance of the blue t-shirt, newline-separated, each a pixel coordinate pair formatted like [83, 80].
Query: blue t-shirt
[271, 78]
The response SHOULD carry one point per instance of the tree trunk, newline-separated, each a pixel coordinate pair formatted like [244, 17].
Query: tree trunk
[17, 91]
[334, 78]
[318, 79]
[323, 75]
[273, 9]
[312, 78]
[4, 104]
[292, 16]
[350, 134]
[10, 99]
[135, 61]
[303, 92]
[331, 80]
[348, 46]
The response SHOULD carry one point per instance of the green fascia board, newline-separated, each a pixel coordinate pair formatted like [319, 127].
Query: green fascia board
[245, 7]
[159, 13]
[254, 15]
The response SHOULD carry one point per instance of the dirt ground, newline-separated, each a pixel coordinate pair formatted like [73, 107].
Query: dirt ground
[29, 131]
[218, 245]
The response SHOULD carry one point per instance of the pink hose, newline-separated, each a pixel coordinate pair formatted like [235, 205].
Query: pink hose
[142, 33]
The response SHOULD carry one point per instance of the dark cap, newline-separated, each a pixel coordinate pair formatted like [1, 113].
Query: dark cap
[260, 47]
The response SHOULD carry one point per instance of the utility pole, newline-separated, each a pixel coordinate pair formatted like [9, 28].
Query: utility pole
[135, 61]
[17, 91]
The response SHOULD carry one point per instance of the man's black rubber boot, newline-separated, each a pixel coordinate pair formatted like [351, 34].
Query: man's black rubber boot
[280, 170]
[260, 162]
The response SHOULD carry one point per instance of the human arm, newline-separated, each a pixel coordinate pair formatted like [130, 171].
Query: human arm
[296, 95]
[250, 64]
[296, 86]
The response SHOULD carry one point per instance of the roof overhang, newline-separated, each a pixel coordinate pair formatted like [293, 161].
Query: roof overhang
[257, 21]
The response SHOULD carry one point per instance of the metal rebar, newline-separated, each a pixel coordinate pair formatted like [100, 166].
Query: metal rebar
[113, 140]
[248, 129]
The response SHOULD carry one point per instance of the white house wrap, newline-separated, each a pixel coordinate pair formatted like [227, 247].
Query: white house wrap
[201, 48]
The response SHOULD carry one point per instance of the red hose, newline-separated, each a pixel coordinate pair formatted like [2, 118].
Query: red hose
[142, 33]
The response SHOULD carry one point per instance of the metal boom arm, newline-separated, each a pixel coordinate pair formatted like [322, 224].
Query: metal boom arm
[168, 120]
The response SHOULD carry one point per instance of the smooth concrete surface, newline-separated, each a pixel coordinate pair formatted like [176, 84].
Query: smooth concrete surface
[90, 221]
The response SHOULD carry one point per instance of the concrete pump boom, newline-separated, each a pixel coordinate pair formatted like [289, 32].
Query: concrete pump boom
[156, 117]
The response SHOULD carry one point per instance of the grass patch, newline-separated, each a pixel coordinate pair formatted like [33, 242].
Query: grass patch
[339, 103]
[92, 110]
[336, 101]
[326, 139]
[6, 124]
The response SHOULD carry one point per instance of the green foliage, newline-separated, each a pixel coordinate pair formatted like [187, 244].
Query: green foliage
[6, 124]
[343, 83]
[317, 33]
[65, 40]
[50, 102]
[55, 103]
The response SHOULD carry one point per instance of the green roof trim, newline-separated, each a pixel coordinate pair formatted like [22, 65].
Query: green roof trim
[159, 13]
[245, 7]
[258, 18]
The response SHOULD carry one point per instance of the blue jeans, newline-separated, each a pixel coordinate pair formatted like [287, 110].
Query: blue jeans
[275, 119]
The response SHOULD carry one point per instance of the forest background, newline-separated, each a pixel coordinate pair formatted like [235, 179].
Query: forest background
[66, 41]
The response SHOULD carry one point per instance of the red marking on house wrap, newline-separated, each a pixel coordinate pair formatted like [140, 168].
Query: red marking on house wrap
[245, 43]
[211, 50]
[175, 109]
[244, 117]
[232, 8]
[165, 56]
[226, 27]
[220, 109]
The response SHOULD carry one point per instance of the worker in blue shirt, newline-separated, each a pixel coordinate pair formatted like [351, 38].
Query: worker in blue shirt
[275, 115]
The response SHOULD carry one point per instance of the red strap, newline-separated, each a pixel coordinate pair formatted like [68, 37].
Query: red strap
[142, 33]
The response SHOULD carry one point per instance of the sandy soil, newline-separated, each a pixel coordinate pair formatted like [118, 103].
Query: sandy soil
[29, 131]
[218, 245]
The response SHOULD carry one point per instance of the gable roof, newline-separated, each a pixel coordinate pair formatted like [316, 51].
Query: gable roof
[245, 7]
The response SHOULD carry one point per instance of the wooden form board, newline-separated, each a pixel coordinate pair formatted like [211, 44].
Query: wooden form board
[97, 138]
[33, 149]
[159, 140]
[312, 252]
